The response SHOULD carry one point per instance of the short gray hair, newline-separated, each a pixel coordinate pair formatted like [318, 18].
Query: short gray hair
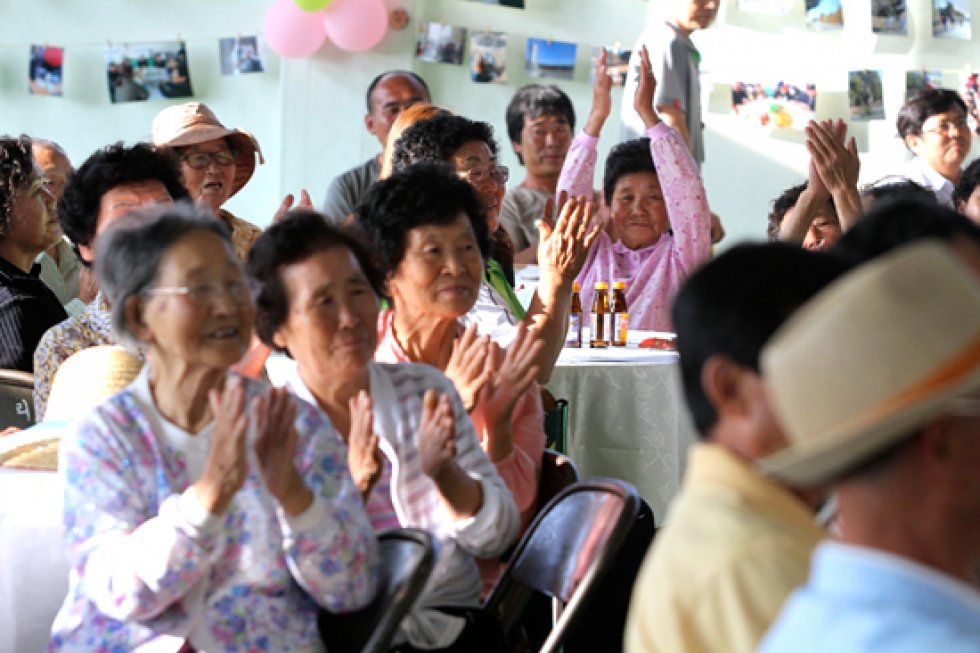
[127, 256]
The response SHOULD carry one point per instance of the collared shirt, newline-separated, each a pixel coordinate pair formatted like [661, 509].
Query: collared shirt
[654, 273]
[90, 328]
[922, 173]
[734, 546]
[675, 63]
[61, 276]
[243, 233]
[861, 600]
[28, 308]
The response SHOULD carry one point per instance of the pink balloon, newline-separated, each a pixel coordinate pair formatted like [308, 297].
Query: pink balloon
[292, 32]
[356, 25]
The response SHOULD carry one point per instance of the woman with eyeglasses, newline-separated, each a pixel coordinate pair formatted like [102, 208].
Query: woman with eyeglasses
[203, 511]
[933, 124]
[215, 162]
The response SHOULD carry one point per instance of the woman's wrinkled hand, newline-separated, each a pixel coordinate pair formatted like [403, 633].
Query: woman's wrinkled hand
[287, 203]
[437, 435]
[466, 368]
[273, 415]
[564, 245]
[226, 467]
[364, 456]
[645, 90]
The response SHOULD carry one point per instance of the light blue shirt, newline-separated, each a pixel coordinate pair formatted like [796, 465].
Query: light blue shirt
[863, 600]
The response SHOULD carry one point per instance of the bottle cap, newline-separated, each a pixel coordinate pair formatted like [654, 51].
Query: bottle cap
[576, 286]
[602, 285]
[619, 285]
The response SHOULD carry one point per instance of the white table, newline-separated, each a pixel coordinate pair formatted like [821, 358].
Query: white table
[627, 417]
[33, 558]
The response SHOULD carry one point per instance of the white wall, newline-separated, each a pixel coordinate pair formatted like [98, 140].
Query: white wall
[308, 114]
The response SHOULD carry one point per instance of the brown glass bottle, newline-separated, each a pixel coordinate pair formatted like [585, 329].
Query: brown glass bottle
[620, 316]
[575, 317]
[600, 316]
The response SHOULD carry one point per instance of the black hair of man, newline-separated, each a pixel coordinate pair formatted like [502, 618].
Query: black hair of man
[393, 73]
[925, 103]
[533, 101]
[734, 303]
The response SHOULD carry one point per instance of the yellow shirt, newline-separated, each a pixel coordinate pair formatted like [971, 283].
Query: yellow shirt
[734, 546]
[243, 233]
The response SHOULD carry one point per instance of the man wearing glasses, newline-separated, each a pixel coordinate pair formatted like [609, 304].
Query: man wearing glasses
[934, 127]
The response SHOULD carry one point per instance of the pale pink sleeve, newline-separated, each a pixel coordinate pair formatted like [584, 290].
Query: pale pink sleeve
[579, 168]
[521, 469]
[687, 203]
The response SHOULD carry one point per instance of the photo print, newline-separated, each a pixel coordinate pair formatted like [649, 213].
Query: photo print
[617, 64]
[516, 4]
[824, 15]
[970, 92]
[441, 43]
[917, 80]
[889, 17]
[45, 72]
[864, 95]
[488, 57]
[782, 105]
[240, 55]
[147, 71]
[552, 59]
[951, 19]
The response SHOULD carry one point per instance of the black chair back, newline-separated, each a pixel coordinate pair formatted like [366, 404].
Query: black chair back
[16, 399]
[564, 552]
[407, 557]
[557, 473]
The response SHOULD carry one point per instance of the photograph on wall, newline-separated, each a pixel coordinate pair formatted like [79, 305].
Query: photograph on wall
[441, 43]
[45, 72]
[917, 80]
[516, 4]
[824, 15]
[779, 105]
[767, 7]
[889, 17]
[553, 59]
[951, 19]
[488, 57]
[240, 55]
[617, 64]
[147, 71]
[864, 95]
[970, 92]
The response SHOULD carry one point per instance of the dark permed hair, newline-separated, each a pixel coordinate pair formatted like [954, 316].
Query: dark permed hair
[112, 166]
[419, 195]
[533, 101]
[394, 73]
[925, 103]
[16, 170]
[780, 206]
[969, 180]
[624, 159]
[436, 139]
[296, 238]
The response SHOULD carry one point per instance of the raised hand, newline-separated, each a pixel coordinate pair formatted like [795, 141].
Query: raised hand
[466, 365]
[273, 416]
[364, 457]
[645, 90]
[437, 435]
[601, 97]
[563, 248]
[287, 204]
[837, 164]
[226, 467]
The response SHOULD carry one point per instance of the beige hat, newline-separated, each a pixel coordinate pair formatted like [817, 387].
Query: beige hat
[193, 123]
[870, 359]
[88, 378]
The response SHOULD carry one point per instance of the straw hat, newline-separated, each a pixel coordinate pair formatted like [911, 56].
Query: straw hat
[88, 378]
[870, 359]
[192, 123]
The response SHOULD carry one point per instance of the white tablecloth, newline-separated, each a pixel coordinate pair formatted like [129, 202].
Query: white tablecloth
[627, 417]
[33, 558]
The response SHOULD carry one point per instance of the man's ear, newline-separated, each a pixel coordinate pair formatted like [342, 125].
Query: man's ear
[913, 142]
[721, 379]
[369, 123]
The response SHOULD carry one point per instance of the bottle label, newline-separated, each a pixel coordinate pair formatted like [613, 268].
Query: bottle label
[599, 326]
[620, 328]
[574, 336]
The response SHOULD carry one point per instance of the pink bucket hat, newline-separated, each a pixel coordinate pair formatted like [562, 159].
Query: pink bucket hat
[193, 123]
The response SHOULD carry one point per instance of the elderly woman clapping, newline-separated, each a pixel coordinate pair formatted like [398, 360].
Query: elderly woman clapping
[318, 300]
[202, 510]
[430, 230]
